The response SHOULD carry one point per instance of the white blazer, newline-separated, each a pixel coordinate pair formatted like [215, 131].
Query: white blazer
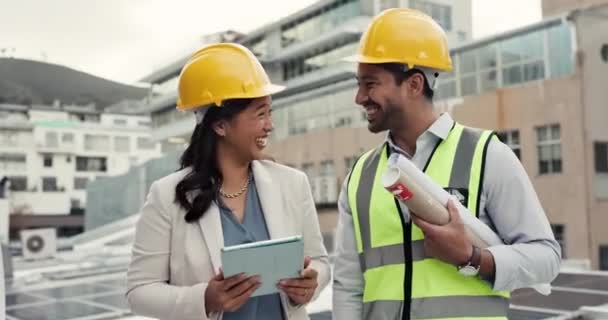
[173, 260]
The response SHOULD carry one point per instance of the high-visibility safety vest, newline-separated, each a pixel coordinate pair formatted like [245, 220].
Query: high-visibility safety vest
[401, 281]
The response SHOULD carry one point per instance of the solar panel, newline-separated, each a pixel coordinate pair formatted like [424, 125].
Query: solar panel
[118, 283]
[515, 314]
[321, 316]
[13, 299]
[558, 299]
[585, 281]
[108, 301]
[117, 300]
[71, 291]
[60, 310]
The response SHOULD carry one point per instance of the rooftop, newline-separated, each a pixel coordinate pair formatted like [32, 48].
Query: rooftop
[88, 283]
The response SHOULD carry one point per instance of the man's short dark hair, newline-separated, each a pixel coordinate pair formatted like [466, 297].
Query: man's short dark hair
[401, 73]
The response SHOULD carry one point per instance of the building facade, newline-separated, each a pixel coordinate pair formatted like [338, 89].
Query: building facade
[50, 154]
[542, 88]
[556, 7]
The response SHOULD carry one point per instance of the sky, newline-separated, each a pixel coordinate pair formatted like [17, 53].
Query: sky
[124, 40]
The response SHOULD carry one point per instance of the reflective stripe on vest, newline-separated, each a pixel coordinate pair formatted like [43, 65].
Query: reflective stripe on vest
[436, 290]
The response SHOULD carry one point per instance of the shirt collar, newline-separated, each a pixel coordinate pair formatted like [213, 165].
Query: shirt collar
[440, 128]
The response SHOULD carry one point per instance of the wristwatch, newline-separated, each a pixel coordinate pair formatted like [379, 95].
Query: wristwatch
[471, 268]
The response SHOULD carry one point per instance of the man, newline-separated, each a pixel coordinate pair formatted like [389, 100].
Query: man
[387, 267]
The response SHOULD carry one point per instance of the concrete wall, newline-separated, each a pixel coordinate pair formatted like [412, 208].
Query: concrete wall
[553, 7]
[592, 36]
[526, 107]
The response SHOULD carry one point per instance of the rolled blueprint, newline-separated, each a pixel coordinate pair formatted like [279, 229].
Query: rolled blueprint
[418, 201]
[429, 202]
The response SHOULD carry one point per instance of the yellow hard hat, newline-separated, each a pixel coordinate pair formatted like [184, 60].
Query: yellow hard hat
[219, 72]
[405, 36]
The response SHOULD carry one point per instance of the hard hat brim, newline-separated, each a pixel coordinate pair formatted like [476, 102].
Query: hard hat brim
[364, 59]
[266, 90]
[357, 58]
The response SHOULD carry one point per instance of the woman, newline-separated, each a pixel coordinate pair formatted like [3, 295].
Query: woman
[223, 195]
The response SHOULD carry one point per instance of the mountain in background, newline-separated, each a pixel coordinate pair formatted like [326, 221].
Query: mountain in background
[30, 82]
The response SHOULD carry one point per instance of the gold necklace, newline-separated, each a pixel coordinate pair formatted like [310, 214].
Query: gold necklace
[238, 193]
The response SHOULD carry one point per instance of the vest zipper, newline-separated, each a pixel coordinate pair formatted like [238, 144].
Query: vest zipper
[407, 253]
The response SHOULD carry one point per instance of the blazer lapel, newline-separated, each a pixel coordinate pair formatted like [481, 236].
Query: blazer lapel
[271, 201]
[211, 226]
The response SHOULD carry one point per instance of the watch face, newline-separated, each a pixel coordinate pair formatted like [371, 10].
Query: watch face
[468, 271]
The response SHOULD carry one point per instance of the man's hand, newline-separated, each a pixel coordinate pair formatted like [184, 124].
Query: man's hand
[449, 242]
[300, 290]
[229, 294]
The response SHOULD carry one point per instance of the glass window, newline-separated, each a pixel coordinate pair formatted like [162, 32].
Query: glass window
[510, 50]
[120, 122]
[442, 14]
[468, 62]
[327, 168]
[92, 118]
[604, 257]
[144, 143]
[469, 85]
[512, 75]
[387, 4]
[511, 139]
[601, 157]
[96, 142]
[259, 47]
[549, 149]
[447, 18]
[560, 50]
[8, 138]
[122, 144]
[51, 139]
[446, 85]
[47, 160]
[446, 89]
[560, 237]
[96, 164]
[532, 46]
[280, 123]
[487, 57]
[330, 110]
[488, 80]
[49, 184]
[534, 71]
[80, 183]
[300, 66]
[12, 162]
[67, 138]
[324, 20]
[18, 183]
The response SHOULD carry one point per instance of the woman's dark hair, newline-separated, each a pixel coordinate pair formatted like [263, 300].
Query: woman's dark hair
[200, 186]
